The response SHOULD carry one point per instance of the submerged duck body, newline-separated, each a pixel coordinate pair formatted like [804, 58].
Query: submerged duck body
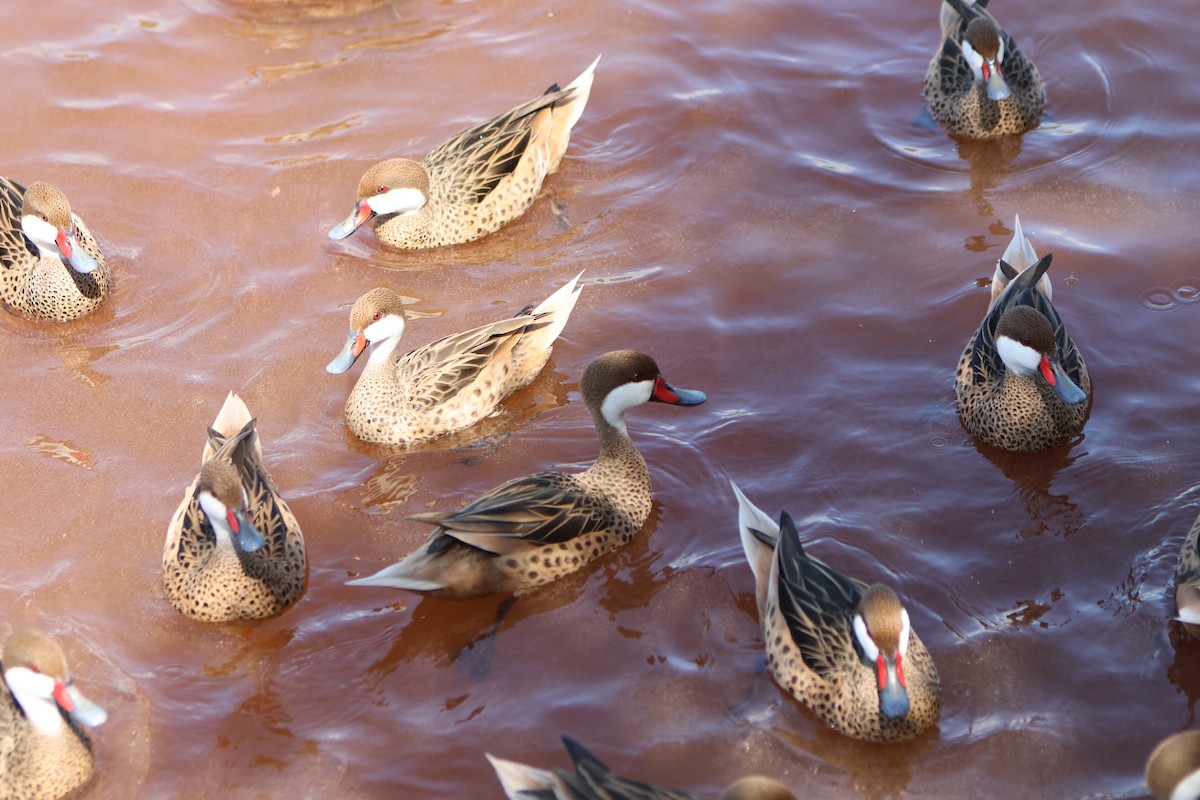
[592, 780]
[536, 529]
[1021, 383]
[476, 182]
[44, 753]
[234, 549]
[50, 266]
[448, 384]
[844, 649]
[979, 84]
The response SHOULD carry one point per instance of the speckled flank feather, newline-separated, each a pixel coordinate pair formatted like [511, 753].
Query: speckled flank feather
[484, 177]
[959, 101]
[536, 529]
[1174, 767]
[213, 584]
[454, 382]
[39, 764]
[1187, 582]
[592, 780]
[1013, 411]
[807, 610]
[45, 287]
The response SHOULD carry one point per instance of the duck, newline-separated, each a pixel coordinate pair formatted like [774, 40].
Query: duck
[592, 780]
[533, 530]
[1187, 583]
[1173, 769]
[473, 184]
[44, 752]
[449, 384]
[844, 649]
[51, 268]
[1021, 383]
[234, 550]
[979, 85]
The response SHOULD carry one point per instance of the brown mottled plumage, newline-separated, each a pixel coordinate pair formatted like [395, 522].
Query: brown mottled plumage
[44, 753]
[810, 615]
[592, 780]
[473, 184]
[535, 529]
[448, 384]
[1000, 94]
[1187, 582]
[249, 562]
[50, 266]
[1022, 406]
[1173, 769]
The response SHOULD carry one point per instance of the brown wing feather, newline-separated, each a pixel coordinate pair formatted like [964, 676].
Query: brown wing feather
[13, 243]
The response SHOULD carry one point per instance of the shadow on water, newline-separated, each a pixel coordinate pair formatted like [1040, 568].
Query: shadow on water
[1032, 475]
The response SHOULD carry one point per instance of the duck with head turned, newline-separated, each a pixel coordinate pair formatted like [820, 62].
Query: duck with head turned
[448, 384]
[44, 753]
[844, 649]
[1021, 383]
[979, 85]
[234, 549]
[50, 266]
[592, 780]
[536, 529]
[473, 184]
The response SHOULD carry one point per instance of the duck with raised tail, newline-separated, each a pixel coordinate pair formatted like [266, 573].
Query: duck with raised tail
[448, 384]
[592, 780]
[1021, 383]
[536, 529]
[234, 549]
[44, 753]
[50, 266]
[845, 649]
[979, 85]
[473, 184]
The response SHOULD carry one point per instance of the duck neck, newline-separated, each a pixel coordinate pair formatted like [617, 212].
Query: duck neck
[617, 451]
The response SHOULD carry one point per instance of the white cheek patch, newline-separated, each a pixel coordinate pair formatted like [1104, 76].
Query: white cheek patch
[1000, 53]
[905, 631]
[974, 59]
[216, 512]
[384, 335]
[623, 398]
[1189, 615]
[397, 201]
[42, 233]
[1188, 788]
[869, 648]
[35, 692]
[1021, 359]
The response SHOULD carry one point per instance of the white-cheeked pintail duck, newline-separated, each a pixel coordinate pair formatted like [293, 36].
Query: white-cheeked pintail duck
[234, 549]
[592, 780]
[1021, 383]
[448, 384]
[844, 649]
[979, 85]
[44, 753]
[473, 184]
[50, 266]
[536, 529]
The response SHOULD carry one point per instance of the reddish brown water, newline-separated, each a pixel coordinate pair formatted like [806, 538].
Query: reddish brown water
[756, 201]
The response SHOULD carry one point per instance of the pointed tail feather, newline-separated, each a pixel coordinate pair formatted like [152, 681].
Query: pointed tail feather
[406, 574]
[557, 308]
[231, 419]
[567, 112]
[521, 781]
[759, 533]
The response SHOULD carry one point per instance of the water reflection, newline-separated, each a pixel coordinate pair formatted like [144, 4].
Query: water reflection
[1032, 475]
[1184, 671]
[988, 165]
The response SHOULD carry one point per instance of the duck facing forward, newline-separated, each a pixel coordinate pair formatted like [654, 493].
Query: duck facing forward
[536, 529]
[44, 753]
[1021, 383]
[234, 550]
[448, 384]
[844, 649]
[979, 85]
[50, 266]
[592, 780]
[473, 184]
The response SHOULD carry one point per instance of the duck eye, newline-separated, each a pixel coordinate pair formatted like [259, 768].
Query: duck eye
[381, 190]
[44, 217]
[376, 316]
